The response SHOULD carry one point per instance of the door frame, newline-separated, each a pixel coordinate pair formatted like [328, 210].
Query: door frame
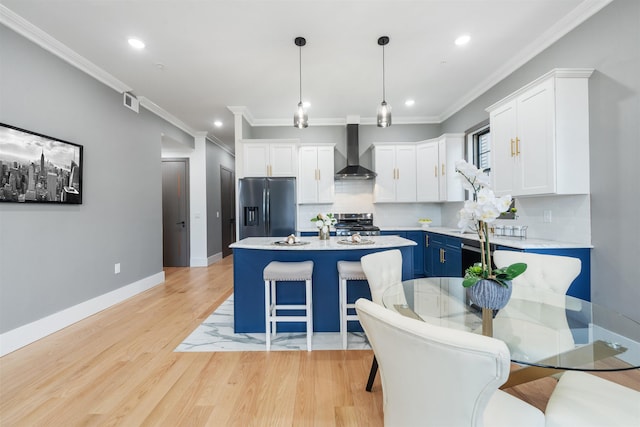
[187, 190]
[231, 209]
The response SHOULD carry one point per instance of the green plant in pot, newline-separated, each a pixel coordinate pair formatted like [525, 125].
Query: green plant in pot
[488, 287]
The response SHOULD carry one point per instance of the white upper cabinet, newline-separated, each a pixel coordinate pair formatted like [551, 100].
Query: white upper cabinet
[540, 136]
[436, 174]
[269, 158]
[428, 171]
[315, 178]
[396, 169]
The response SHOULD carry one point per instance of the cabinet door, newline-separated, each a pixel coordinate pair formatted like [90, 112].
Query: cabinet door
[427, 172]
[384, 164]
[282, 158]
[429, 255]
[418, 252]
[503, 134]
[453, 259]
[406, 173]
[535, 146]
[307, 178]
[256, 159]
[326, 182]
[442, 169]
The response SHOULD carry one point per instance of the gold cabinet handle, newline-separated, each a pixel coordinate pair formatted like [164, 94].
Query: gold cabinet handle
[426, 240]
[435, 171]
[443, 169]
[512, 152]
[443, 254]
[517, 146]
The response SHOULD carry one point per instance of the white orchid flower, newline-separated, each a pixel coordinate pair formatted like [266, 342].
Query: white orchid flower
[503, 203]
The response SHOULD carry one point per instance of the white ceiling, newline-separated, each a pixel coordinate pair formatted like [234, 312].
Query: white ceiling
[221, 53]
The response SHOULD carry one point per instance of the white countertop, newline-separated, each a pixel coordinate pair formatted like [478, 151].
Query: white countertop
[315, 244]
[512, 242]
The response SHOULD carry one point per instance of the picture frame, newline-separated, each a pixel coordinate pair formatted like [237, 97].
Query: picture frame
[37, 168]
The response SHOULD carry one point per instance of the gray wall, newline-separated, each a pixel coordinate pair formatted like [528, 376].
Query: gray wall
[609, 42]
[216, 157]
[53, 256]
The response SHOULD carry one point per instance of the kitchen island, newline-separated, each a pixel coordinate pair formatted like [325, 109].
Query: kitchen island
[251, 256]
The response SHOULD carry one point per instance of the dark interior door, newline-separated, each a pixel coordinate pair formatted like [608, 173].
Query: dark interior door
[175, 213]
[228, 209]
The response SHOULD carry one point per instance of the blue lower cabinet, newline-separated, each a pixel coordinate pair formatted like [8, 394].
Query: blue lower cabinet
[581, 286]
[445, 256]
[418, 252]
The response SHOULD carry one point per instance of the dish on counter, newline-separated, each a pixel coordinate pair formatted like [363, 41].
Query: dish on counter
[286, 243]
[351, 242]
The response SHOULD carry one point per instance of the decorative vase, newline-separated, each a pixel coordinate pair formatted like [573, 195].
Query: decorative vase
[488, 293]
[324, 233]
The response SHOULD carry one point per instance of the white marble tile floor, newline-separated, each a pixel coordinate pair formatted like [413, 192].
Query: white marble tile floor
[216, 334]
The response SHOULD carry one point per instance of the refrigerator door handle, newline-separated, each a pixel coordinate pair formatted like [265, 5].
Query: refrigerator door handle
[265, 209]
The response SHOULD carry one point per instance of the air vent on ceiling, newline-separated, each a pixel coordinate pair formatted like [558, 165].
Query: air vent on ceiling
[130, 101]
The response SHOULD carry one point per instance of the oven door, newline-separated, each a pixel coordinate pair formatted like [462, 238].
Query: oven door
[471, 253]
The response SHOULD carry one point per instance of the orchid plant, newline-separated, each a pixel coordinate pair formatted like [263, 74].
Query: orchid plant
[477, 214]
[324, 221]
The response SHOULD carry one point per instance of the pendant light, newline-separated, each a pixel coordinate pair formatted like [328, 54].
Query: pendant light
[300, 119]
[384, 109]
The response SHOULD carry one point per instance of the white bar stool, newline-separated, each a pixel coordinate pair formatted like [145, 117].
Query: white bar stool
[277, 271]
[347, 270]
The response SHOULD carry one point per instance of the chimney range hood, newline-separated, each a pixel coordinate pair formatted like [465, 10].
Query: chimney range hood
[353, 169]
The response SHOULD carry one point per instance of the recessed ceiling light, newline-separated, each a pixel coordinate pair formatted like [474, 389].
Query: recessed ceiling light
[136, 43]
[409, 102]
[217, 124]
[462, 40]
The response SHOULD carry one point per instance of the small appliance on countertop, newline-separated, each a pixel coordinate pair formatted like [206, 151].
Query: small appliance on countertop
[352, 223]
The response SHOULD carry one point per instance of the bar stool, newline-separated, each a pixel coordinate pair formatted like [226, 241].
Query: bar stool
[347, 270]
[277, 271]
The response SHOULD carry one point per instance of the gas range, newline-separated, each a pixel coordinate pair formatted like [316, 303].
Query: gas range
[352, 223]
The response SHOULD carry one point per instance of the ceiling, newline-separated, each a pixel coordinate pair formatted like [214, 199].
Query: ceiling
[202, 57]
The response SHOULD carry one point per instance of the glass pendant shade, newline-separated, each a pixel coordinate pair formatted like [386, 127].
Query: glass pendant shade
[300, 118]
[384, 115]
[384, 109]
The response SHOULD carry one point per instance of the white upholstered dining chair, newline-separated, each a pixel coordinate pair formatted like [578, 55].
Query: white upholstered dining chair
[383, 269]
[582, 399]
[546, 276]
[434, 376]
[537, 330]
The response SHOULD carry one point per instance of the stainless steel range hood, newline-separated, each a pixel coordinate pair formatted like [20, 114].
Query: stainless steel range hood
[353, 169]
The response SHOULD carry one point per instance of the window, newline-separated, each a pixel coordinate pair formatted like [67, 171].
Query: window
[482, 149]
[478, 145]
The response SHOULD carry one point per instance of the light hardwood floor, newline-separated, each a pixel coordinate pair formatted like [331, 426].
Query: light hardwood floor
[118, 367]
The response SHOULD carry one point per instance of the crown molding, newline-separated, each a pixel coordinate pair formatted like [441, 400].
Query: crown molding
[329, 121]
[577, 16]
[244, 112]
[45, 41]
[161, 112]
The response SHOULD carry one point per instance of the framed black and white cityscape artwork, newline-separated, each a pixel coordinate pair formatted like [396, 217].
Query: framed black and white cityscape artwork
[37, 168]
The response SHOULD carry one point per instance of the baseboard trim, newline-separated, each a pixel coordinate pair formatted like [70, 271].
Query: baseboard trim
[198, 262]
[24, 335]
[214, 258]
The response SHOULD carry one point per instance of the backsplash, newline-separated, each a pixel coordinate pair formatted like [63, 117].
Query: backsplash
[357, 196]
[570, 215]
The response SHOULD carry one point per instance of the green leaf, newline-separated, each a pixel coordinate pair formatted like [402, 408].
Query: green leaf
[514, 270]
[470, 281]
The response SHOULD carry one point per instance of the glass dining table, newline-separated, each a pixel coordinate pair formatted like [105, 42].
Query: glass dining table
[545, 332]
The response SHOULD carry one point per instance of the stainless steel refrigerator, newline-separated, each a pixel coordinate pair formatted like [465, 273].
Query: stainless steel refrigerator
[267, 207]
